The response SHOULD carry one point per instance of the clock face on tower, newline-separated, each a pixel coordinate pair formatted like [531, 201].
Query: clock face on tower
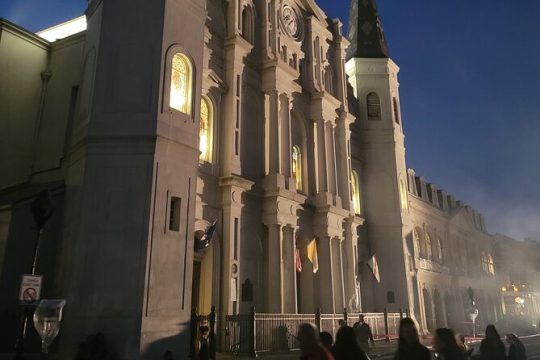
[291, 22]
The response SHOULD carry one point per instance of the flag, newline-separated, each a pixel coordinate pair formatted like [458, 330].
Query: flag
[312, 255]
[374, 266]
[297, 260]
[205, 240]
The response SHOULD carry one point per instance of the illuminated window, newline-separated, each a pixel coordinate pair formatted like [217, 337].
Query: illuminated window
[429, 249]
[490, 265]
[355, 193]
[205, 130]
[297, 167]
[373, 106]
[403, 195]
[181, 84]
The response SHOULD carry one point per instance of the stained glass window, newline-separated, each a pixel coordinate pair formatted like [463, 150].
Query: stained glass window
[181, 83]
[355, 193]
[205, 130]
[297, 167]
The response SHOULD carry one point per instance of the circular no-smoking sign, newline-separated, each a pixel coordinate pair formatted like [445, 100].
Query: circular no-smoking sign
[30, 295]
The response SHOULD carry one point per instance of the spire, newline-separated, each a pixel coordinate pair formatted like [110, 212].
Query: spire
[365, 31]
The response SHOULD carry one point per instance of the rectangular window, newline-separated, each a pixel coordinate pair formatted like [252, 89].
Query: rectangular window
[174, 213]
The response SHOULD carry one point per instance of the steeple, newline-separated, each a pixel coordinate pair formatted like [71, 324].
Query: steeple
[365, 31]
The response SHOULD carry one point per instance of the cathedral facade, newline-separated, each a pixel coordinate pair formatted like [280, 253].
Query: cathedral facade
[259, 119]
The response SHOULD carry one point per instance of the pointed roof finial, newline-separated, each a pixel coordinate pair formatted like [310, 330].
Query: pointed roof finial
[365, 31]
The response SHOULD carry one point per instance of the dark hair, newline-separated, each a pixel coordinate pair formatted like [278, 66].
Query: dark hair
[346, 345]
[326, 339]
[450, 348]
[404, 323]
[492, 334]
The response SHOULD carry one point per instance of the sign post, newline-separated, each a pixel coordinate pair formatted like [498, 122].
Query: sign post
[30, 289]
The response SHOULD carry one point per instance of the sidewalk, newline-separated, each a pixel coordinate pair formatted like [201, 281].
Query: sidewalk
[381, 349]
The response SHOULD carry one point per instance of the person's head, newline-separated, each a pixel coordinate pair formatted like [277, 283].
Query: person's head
[342, 323]
[408, 334]
[492, 334]
[326, 340]
[512, 339]
[361, 318]
[204, 330]
[445, 340]
[345, 336]
[308, 335]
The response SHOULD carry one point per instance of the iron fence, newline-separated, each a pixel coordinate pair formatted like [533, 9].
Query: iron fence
[258, 333]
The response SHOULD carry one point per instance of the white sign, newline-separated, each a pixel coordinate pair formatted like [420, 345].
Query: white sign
[30, 289]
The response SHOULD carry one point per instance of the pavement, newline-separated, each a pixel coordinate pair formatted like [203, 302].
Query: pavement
[386, 350]
[382, 350]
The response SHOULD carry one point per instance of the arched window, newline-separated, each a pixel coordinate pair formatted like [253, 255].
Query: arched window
[429, 249]
[297, 167]
[439, 250]
[403, 195]
[247, 24]
[490, 264]
[396, 111]
[355, 193]
[205, 130]
[417, 243]
[373, 106]
[181, 84]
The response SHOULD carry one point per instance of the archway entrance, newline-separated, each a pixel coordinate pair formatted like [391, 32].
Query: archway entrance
[202, 284]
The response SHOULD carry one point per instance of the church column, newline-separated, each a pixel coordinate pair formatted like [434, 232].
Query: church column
[330, 158]
[289, 271]
[337, 274]
[320, 155]
[274, 289]
[232, 189]
[271, 133]
[285, 140]
[350, 263]
[343, 158]
[324, 279]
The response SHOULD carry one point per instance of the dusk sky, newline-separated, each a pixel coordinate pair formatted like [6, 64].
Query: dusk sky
[470, 72]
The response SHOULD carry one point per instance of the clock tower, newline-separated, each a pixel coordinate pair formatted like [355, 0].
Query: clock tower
[378, 145]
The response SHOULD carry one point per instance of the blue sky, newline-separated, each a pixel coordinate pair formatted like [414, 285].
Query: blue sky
[469, 75]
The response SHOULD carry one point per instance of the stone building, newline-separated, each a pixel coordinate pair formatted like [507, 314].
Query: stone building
[261, 116]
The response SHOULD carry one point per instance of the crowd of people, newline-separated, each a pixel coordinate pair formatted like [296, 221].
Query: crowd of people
[352, 343]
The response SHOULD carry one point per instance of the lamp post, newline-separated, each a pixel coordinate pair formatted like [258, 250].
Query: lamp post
[42, 210]
[473, 310]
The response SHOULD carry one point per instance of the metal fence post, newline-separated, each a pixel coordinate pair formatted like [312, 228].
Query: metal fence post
[252, 333]
[192, 333]
[400, 313]
[212, 334]
[346, 316]
[386, 332]
[318, 319]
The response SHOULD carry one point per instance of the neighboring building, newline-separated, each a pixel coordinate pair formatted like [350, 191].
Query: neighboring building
[158, 120]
